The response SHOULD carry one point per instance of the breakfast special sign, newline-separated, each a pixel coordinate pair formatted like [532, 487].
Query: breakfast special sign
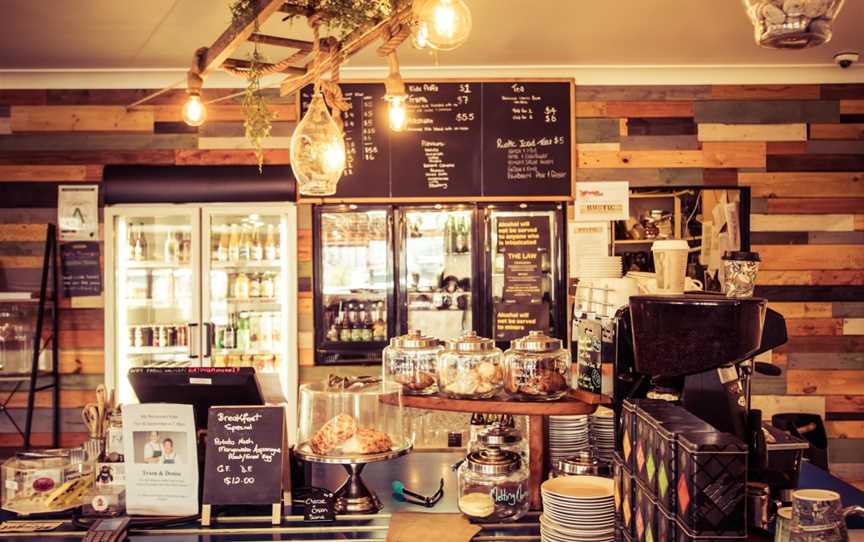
[602, 201]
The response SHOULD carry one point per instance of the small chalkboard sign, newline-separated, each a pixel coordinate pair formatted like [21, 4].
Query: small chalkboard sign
[80, 269]
[245, 457]
[319, 504]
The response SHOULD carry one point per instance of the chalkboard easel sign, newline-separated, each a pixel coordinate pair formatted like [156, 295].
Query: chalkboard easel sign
[245, 458]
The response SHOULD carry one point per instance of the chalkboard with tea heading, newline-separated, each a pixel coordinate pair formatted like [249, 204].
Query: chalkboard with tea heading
[462, 139]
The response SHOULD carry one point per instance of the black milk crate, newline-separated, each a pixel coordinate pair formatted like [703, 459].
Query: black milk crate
[666, 452]
[711, 484]
[647, 414]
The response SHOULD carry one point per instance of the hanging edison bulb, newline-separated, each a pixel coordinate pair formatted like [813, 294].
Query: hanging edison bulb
[442, 25]
[194, 113]
[317, 150]
[396, 96]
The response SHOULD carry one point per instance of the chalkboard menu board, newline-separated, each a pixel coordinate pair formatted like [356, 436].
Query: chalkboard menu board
[244, 458]
[462, 139]
[367, 157]
[80, 269]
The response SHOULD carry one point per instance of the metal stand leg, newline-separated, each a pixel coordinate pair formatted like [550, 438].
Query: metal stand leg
[353, 497]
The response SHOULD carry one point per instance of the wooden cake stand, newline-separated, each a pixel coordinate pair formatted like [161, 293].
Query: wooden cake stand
[577, 402]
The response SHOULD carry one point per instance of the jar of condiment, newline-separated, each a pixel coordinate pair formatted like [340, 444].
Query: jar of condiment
[410, 362]
[537, 368]
[493, 486]
[470, 368]
[500, 437]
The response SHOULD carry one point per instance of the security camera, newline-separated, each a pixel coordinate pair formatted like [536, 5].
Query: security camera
[845, 60]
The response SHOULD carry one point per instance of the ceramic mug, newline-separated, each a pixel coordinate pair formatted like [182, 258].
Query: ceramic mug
[818, 516]
[783, 524]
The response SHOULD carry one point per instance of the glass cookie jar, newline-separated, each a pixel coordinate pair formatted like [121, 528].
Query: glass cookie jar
[470, 368]
[537, 368]
[410, 362]
[501, 437]
[493, 486]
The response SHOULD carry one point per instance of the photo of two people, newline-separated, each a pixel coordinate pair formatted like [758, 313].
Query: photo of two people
[159, 447]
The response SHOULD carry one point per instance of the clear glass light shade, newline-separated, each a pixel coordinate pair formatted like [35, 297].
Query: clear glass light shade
[442, 25]
[397, 112]
[792, 24]
[317, 151]
[194, 112]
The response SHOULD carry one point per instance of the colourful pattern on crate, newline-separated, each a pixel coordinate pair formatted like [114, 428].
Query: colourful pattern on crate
[683, 493]
[663, 480]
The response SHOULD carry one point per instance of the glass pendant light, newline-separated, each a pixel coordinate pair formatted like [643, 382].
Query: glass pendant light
[317, 150]
[396, 96]
[792, 24]
[194, 113]
[442, 25]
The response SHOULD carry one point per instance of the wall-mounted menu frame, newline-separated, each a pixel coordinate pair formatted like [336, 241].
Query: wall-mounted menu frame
[472, 139]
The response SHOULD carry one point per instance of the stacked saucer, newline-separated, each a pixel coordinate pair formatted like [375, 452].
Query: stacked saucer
[568, 435]
[602, 432]
[600, 267]
[577, 509]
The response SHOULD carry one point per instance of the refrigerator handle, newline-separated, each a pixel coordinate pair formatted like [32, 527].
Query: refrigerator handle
[194, 339]
[208, 339]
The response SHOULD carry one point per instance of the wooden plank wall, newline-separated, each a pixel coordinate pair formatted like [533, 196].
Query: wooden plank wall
[799, 147]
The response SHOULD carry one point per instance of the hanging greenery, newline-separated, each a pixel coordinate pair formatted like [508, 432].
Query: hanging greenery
[258, 117]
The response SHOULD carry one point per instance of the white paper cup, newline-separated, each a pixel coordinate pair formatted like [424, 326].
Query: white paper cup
[670, 265]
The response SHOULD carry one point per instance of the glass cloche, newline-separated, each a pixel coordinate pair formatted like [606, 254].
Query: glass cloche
[352, 420]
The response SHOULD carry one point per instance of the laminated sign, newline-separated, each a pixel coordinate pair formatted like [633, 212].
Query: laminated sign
[602, 201]
[78, 212]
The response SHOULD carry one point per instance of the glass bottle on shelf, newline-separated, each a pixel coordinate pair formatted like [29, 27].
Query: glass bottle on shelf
[137, 252]
[145, 253]
[245, 243]
[257, 245]
[271, 247]
[229, 335]
[367, 327]
[168, 254]
[243, 332]
[131, 243]
[462, 236]
[254, 322]
[334, 330]
[265, 333]
[452, 244]
[222, 247]
[234, 244]
[379, 328]
[344, 326]
[255, 285]
[267, 287]
[241, 286]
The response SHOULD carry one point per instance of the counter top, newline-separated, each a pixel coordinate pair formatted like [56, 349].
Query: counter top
[420, 472]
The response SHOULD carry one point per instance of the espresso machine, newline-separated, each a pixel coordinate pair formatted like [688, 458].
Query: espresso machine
[697, 350]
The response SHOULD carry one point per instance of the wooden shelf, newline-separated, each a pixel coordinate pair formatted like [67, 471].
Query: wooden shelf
[575, 403]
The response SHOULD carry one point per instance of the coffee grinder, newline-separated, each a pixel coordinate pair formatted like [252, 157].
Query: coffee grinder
[698, 350]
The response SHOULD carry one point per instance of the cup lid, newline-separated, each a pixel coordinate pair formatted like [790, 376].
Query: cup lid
[741, 255]
[471, 342]
[670, 244]
[414, 339]
[536, 341]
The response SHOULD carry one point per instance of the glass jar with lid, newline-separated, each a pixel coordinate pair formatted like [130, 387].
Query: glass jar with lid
[410, 362]
[493, 486]
[537, 368]
[470, 368]
[500, 437]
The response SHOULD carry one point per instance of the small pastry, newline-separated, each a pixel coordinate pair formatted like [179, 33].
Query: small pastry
[333, 433]
[815, 8]
[793, 8]
[367, 440]
[772, 14]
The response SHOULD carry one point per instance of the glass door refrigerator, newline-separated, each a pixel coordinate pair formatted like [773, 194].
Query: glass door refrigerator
[353, 270]
[437, 265]
[537, 295]
[202, 285]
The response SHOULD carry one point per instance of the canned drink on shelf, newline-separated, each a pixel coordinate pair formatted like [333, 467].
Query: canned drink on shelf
[146, 335]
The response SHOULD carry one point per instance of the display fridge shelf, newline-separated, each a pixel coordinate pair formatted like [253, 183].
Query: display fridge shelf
[245, 264]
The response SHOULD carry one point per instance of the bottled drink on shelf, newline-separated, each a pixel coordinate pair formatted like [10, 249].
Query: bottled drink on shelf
[169, 254]
[267, 286]
[130, 243]
[229, 335]
[379, 327]
[462, 236]
[271, 246]
[255, 285]
[254, 321]
[241, 286]
[265, 342]
[137, 252]
[243, 332]
[222, 247]
[367, 327]
[257, 244]
[142, 242]
[344, 327]
[185, 243]
[234, 244]
[245, 243]
[275, 330]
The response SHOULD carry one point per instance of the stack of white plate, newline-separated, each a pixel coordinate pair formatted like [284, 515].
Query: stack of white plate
[600, 267]
[602, 432]
[568, 435]
[577, 509]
